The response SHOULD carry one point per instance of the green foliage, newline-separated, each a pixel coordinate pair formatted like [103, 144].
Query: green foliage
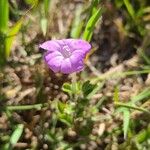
[94, 5]
[126, 108]
[75, 109]
[32, 2]
[125, 111]
[129, 8]
[16, 135]
[126, 121]
[85, 127]
[4, 16]
[77, 23]
[141, 96]
[44, 25]
[87, 88]
[72, 89]
[89, 21]
[89, 29]
[44, 16]
[8, 34]
[71, 115]
[143, 135]
[10, 37]
[46, 6]
[135, 16]
[65, 113]
[14, 138]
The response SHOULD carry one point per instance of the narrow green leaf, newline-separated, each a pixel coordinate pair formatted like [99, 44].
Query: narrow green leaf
[87, 88]
[129, 8]
[143, 135]
[65, 118]
[94, 5]
[29, 2]
[67, 88]
[61, 106]
[144, 94]
[16, 134]
[97, 88]
[4, 15]
[116, 94]
[44, 23]
[77, 23]
[11, 36]
[50, 136]
[32, 2]
[91, 24]
[143, 55]
[5, 146]
[26, 107]
[131, 106]
[46, 6]
[126, 121]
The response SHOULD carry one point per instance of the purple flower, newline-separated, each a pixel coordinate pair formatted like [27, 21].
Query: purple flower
[66, 56]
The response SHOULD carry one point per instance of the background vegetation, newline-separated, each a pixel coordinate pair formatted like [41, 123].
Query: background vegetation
[104, 107]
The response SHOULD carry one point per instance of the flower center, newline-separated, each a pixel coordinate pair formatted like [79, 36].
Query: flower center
[66, 51]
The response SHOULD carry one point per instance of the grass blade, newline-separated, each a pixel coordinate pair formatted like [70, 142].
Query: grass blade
[91, 24]
[44, 24]
[129, 8]
[77, 23]
[143, 135]
[131, 106]
[126, 121]
[16, 134]
[116, 94]
[144, 94]
[94, 5]
[11, 35]
[44, 16]
[46, 6]
[4, 15]
[143, 55]
[126, 118]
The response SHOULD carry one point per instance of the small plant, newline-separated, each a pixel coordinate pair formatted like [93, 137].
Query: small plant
[6, 34]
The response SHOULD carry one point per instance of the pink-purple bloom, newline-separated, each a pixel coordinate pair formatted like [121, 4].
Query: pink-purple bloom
[65, 56]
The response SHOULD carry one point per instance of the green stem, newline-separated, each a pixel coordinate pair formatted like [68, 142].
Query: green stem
[131, 107]
[26, 107]
[74, 86]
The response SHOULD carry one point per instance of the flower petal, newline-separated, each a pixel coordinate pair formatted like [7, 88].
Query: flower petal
[66, 66]
[79, 53]
[75, 51]
[78, 44]
[50, 55]
[51, 46]
[54, 61]
[77, 62]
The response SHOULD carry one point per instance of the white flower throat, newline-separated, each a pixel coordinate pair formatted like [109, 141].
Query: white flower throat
[66, 52]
